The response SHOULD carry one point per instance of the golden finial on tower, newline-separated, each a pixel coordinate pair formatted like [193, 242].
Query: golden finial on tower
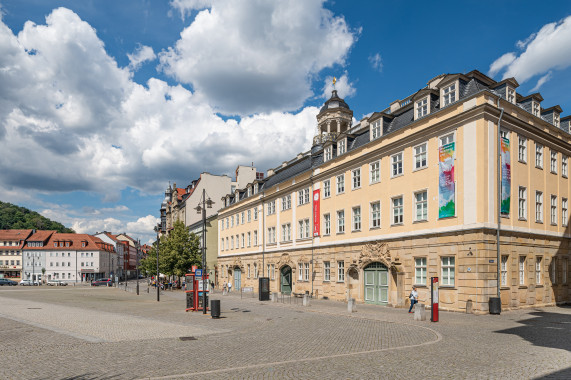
[334, 81]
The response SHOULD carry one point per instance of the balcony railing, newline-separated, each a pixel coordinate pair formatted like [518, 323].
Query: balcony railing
[324, 137]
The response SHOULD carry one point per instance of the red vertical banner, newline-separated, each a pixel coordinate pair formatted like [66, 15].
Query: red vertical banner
[434, 299]
[316, 215]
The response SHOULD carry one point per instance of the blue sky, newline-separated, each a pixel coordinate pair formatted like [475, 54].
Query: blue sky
[102, 103]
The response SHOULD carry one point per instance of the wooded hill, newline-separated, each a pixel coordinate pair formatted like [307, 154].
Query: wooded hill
[21, 218]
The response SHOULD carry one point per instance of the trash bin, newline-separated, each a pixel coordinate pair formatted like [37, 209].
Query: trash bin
[215, 308]
[495, 305]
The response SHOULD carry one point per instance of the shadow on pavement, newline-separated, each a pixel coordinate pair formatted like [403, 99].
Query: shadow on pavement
[546, 329]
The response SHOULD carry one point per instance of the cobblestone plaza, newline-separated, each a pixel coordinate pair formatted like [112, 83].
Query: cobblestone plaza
[96, 333]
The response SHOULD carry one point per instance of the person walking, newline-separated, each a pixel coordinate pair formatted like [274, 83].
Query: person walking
[229, 286]
[413, 298]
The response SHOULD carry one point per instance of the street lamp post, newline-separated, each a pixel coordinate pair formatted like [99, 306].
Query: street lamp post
[202, 209]
[138, 248]
[157, 229]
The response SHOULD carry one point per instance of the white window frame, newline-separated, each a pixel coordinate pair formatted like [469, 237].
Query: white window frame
[564, 166]
[286, 232]
[341, 147]
[448, 270]
[356, 219]
[340, 271]
[397, 164]
[522, 149]
[421, 107]
[564, 271]
[327, 271]
[424, 206]
[256, 213]
[340, 221]
[521, 270]
[553, 167]
[375, 219]
[504, 270]
[522, 203]
[327, 224]
[300, 271]
[564, 212]
[397, 210]
[306, 272]
[376, 129]
[420, 270]
[255, 238]
[449, 94]
[328, 153]
[249, 239]
[327, 188]
[510, 94]
[535, 108]
[553, 213]
[538, 207]
[538, 156]
[418, 156]
[375, 172]
[356, 179]
[340, 182]
[553, 270]
[538, 277]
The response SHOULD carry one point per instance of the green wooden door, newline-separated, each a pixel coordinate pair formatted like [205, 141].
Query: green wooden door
[237, 279]
[376, 284]
[285, 275]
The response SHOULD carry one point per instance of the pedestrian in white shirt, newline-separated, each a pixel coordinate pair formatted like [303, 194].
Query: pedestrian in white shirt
[413, 298]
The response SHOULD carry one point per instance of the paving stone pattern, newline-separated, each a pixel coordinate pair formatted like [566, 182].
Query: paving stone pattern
[110, 333]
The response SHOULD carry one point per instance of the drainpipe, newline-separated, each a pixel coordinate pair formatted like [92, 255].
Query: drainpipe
[499, 202]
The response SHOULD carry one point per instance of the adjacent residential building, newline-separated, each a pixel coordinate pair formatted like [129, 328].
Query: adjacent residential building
[11, 244]
[410, 193]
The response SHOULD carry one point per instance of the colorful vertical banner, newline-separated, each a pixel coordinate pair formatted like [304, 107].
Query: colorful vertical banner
[506, 177]
[446, 186]
[316, 215]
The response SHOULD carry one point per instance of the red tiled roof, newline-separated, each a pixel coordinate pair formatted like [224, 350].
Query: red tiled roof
[180, 192]
[14, 234]
[78, 242]
[41, 235]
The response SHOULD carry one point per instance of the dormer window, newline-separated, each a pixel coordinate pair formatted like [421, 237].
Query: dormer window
[376, 129]
[249, 191]
[556, 119]
[535, 109]
[256, 188]
[328, 154]
[55, 244]
[449, 94]
[422, 108]
[67, 243]
[83, 244]
[341, 147]
[510, 95]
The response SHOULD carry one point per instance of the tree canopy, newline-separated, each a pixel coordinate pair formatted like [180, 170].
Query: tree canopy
[178, 252]
[14, 217]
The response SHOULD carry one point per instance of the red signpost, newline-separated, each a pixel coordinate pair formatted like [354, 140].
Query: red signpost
[434, 299]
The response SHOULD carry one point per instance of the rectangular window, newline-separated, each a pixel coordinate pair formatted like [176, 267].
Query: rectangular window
[255, 213]
[306, 272]
[396, 161]
[397, 210]
[243, 217]
[539, 206]
[553, 209]
[249, 241]
[341, 147]
[326, 271]
[341, 184]
[340, 271]
[303, 196]
[504, 270]
[420, 156]
[421, 203]
[376, 129]
[522, 203]
[564, 212]
[326, 188]
[356, 218]
[511, 95]
[273, 271]
[249, 274]
[227, 222]
[420, 271]
[564, 271]
[328, 155]
[422, 108]
[553, 166]
[327, 222]
[376, 214]
[522, 150]
[255, 238]
[255, 270]
[340, 221]
[249, 216]
[538, 156]
[286, 202]
[286, 232]
[553, 269]
[374, 172]
[522, 270]
[356, 178]
[242, 240]
[303, 229]
[449, 94]
[271, 235]
[446, 139]
[232, 242]
[564, 170]
[538, 270]
[536, 109]
[300, 271]
[222, 244]
[447, 266]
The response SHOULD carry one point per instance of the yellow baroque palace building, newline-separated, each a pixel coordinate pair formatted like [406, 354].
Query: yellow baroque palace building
[411, 193]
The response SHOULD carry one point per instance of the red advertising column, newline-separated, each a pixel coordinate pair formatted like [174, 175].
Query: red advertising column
[316, 215]
[434, 300]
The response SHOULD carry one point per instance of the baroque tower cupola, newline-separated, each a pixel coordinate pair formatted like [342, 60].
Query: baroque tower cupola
[334, 118]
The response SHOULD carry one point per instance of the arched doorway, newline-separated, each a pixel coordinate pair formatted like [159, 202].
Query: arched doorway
[237, 279]
[376, 284]
[285, 280]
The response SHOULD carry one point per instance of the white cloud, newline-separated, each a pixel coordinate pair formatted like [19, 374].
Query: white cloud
[500, 63]
[549, 49]
[141, 54]
[541, 81]
[257, 56]
[187, 6]
[344, 88]
[376, 62]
